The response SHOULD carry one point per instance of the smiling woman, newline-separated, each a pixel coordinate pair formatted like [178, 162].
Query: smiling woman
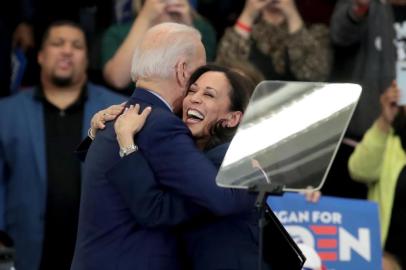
[216, 98]
[214, 104]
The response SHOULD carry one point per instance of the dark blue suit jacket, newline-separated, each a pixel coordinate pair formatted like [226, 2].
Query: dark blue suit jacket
[23, 180]
[227, 242]
[212, 242]
[119, 229]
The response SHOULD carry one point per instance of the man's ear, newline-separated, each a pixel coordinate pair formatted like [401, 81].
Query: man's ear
[181, 73]
[233, 119]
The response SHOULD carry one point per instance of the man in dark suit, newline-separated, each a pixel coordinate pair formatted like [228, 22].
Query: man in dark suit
[112, 230]
[40, 178]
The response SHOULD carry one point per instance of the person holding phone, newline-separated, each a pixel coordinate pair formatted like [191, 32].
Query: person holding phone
[401, 80]
[120, 39]
[273, 37]
[379, 160]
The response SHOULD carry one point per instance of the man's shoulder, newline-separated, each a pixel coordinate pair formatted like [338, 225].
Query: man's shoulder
[164, 119]
[16, 110]
[12, 100]
[162, 123]
[103, 92]
[160, 112]
[161, 126]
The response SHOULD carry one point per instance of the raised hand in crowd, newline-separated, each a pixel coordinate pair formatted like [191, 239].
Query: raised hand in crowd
[116, 71]
[361, 2]
[290, 12]
[253, 8]
[120, 40]
[158, 11]
[360, 9]
[250, 13]
[152, 11]
[271, 35]
[389, 107]
[179, 11]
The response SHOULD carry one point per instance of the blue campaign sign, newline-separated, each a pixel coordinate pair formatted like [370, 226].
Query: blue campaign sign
[345, 233]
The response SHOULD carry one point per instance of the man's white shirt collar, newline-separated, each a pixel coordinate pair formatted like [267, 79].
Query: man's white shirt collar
[162, 99]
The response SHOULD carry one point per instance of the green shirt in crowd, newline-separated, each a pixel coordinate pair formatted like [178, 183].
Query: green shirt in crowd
[115, 35]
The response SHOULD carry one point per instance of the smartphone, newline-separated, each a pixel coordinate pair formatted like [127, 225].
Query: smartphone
[401, 81]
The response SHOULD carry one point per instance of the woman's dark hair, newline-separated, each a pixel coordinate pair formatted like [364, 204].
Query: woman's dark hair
[240, 90]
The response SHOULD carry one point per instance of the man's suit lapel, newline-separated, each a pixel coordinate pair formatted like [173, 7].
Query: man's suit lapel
[92, 105]
[35, 119]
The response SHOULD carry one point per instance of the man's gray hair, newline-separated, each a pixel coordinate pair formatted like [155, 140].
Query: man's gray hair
[157, 55]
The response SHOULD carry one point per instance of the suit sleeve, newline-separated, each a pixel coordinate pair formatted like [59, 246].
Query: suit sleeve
[83, 147]
[180, 167]
[150, 204]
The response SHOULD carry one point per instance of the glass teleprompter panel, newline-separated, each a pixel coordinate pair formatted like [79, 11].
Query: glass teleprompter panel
[289, 135]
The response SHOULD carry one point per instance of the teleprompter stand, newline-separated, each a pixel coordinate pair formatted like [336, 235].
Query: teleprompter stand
[297, 155]
[276, 248]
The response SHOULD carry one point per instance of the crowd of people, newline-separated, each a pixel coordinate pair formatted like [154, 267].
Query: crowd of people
[158, 94]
